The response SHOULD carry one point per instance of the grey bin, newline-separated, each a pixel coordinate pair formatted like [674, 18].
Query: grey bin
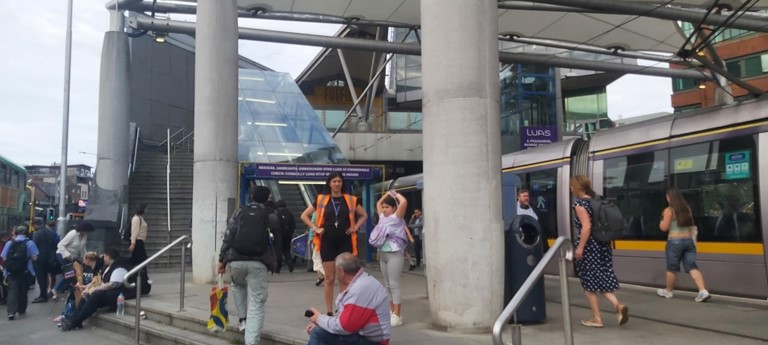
[523, 250]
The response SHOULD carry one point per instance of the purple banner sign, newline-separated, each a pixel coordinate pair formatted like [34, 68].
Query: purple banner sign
[533, 136]
[306, 171]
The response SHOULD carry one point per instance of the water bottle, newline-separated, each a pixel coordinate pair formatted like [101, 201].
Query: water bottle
[120, 305]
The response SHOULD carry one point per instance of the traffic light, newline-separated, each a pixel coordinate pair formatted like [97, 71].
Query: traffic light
[51, 213]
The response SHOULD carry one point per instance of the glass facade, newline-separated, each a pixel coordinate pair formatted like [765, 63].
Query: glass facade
[586, 111]
[407, 74]
[528, 107]
[276, 124]
[723, 35]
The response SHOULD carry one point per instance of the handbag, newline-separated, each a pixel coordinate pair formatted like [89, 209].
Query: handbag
[219, 317]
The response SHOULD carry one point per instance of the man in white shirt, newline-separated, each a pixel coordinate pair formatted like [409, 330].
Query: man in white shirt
[524, 204]
[101, 296]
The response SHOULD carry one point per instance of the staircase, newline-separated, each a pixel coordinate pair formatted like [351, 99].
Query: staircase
[291, 194]
[148, 185]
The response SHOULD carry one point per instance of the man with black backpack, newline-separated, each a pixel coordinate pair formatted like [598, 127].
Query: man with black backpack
[19, 254]
[284, 236]
[247, 249]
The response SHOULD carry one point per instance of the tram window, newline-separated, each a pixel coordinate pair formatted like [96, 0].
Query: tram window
[637, 184]
[542, 187]
[718, 180]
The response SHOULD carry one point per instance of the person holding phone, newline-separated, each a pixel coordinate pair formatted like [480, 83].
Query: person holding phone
[363, 309]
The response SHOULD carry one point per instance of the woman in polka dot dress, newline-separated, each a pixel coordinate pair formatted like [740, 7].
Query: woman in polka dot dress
[594, 259]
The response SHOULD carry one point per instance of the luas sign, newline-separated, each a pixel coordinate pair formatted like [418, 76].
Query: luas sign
[533, 136]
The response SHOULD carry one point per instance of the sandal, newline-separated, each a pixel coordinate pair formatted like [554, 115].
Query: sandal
[622, 314]
[319, 281]
[592, 323]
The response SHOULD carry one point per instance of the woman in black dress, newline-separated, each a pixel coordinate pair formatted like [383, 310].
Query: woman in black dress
[594, 259]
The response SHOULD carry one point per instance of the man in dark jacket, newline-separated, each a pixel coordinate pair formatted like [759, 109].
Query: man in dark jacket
[284, 236]
[104, 295]
[249, 273]
[46, 240]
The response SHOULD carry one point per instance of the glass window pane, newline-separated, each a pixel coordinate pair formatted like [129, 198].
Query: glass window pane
[637, 184]
[753, 66]
[542, 187]
[721, 197]
[333, 118]
[261, 101]
[734, 67]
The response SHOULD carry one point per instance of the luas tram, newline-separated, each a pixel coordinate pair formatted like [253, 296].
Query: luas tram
[716, 157]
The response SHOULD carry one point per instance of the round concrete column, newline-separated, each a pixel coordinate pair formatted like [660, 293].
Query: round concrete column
[462, 162]
[114, 113]
[215, 162]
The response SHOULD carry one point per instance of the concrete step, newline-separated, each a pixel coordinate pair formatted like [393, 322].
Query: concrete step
[183, 320]
[154, 332]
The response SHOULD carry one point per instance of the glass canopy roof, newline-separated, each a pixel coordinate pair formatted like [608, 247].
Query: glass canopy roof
[276, 124]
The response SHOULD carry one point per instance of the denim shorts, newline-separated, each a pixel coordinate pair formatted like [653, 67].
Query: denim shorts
[681, 250]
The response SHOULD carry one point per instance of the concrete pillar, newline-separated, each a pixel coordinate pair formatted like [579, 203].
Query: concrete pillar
[462, 162]
[215, 162]
[112, 150]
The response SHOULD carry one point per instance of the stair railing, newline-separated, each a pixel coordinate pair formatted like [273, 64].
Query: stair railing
[564, 248]
[185, 141]
[168, 188]
[187, 243]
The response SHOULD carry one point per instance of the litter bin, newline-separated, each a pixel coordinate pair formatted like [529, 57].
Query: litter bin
[523, 251]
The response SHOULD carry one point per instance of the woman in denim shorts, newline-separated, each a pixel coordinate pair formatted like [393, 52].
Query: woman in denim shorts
[677, 219]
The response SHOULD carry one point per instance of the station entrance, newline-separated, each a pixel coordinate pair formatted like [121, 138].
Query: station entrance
[298, 185]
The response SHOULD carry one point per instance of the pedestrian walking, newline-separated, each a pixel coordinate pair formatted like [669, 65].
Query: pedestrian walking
[594, 259]
[19, 254]
[677, 221]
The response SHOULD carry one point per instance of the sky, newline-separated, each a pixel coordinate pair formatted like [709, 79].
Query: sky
[32, 78]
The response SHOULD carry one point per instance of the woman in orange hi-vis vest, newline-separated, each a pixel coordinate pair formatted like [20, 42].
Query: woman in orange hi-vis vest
[335, 228]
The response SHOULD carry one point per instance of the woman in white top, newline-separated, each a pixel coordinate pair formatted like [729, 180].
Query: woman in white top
[138, 237]
[391, 208]
[72, 246]
[69, 249]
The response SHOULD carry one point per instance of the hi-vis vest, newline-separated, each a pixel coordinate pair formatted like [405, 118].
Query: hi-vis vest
[321, 203]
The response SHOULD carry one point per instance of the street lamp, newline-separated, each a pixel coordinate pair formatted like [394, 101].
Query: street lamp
[61, 226]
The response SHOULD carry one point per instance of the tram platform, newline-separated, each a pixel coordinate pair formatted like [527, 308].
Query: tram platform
[653, 320]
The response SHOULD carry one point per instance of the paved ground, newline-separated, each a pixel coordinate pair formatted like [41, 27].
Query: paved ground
[37, 328]
[653, 320]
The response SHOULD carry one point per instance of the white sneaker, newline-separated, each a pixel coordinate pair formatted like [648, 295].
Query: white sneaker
[241, 325]
[703, 296]
[664, 293]
[395, 320]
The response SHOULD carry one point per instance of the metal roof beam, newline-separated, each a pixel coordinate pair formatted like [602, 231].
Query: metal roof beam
[592, 49]
[654, 11]
[413, 49]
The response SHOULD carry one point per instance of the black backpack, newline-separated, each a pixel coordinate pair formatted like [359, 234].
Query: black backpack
[607, 220]
[17, 257]
[286, 221]
[252, 233]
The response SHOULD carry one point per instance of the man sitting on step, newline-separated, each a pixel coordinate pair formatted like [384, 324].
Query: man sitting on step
[102, 295]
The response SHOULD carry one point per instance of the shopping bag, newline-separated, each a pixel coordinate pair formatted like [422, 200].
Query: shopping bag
[217, 321]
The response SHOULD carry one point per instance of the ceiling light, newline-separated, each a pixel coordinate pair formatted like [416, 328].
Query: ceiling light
[268, 124]
[256, 100]
[160, 37]
[252, 78]
[300, 182]
[284, 154]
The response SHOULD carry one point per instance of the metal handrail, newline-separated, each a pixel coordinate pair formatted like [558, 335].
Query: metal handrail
[564, 247]
[132, 164]
[182, 129]
[184, 138]
[146, 262]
